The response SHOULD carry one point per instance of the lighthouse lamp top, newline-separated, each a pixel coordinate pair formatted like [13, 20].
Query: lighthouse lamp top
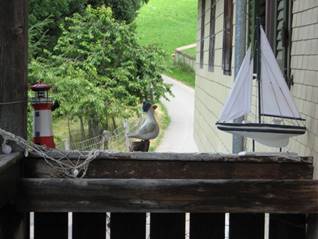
[40, 86]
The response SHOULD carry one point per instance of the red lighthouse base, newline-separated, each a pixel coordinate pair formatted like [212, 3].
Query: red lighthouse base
[47, 141]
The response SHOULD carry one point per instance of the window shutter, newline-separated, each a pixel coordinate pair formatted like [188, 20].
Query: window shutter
[256, 8]
[202, 33]
[212, 36]
[282, 36]
[227, 36]
[276, 19]
[251, 21]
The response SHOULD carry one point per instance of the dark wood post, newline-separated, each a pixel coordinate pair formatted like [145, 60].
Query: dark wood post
[130, 225]
[13, 95]
[247, 226]
[207, 225]
[287, 226]
[13, 66]
[312, 232]
[13, 225]
[167, 225]
[89, 225]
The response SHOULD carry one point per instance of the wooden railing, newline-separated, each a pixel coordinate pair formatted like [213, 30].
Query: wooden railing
[128, 185]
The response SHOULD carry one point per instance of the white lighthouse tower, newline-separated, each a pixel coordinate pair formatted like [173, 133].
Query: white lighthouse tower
[42, 121]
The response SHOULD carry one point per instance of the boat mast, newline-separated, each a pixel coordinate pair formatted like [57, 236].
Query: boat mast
[258, 63]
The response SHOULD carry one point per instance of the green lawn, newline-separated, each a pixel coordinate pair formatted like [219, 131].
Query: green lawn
[190, 51]
[169, 24]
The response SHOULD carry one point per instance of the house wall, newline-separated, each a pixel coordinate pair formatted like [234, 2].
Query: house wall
[304, 68]
[211, 88]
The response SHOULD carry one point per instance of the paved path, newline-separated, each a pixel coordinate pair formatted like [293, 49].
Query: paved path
[179, 134]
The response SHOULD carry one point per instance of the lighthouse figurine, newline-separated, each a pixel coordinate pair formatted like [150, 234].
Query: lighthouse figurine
[42, 120]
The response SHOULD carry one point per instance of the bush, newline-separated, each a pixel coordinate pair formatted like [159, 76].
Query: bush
[98, 70]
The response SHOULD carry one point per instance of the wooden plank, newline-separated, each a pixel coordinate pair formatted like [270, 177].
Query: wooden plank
[13, 66]
[9, 177]
[287, 226]
[13, 224]
[169, 195]
[247, 226]
[89, 225]
[50, 225]
[248, 157]
[207, 225]
[185, 166]
[128, 225]
[167, 225]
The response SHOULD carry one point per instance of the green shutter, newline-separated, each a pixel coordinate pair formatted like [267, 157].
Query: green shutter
[279, 30]
[251, 21]
[282, 36]
[256, 8]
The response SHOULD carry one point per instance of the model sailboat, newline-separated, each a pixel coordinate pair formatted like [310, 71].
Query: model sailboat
[274, 100]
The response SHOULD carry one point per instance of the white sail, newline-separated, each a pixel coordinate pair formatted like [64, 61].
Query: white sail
[239, 100]
[275, 96]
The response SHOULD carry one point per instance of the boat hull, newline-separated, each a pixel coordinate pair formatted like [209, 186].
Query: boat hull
[272, 135]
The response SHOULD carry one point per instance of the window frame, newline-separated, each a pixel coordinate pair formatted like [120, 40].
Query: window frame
[202, 30]
[212, 36]
[227, 37]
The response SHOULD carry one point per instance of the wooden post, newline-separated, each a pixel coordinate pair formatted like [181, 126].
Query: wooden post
[50, 225]
[167, 226]
[207, 225]
[312, 232]
[13, 225]
[247, 226]
[13, 66]
[13, 94]
[130, 225]
[287, 226]
[89, 225]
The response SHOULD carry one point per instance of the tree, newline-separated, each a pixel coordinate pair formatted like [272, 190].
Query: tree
[125, 10]
[51, 14]
[98, 69]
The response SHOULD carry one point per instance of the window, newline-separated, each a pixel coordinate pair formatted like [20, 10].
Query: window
[277, 22]
[227, 37]
[282, 35]
[212, 36]
[202, 33]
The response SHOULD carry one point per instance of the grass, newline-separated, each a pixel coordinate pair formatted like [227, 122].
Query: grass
[183, 73]
[190, 51]
[60, 130]
[163, 121]
[169, 24]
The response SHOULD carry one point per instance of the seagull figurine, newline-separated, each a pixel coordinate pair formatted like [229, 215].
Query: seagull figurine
[149, 129]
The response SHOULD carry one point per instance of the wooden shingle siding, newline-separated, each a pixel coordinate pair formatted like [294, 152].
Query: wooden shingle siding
[212, 87]
[304, 69]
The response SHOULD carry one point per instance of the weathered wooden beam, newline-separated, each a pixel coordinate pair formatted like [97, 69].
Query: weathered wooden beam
[169, 195]
[186, 166]
[247, 157]
[9, 177]
[13, 66]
